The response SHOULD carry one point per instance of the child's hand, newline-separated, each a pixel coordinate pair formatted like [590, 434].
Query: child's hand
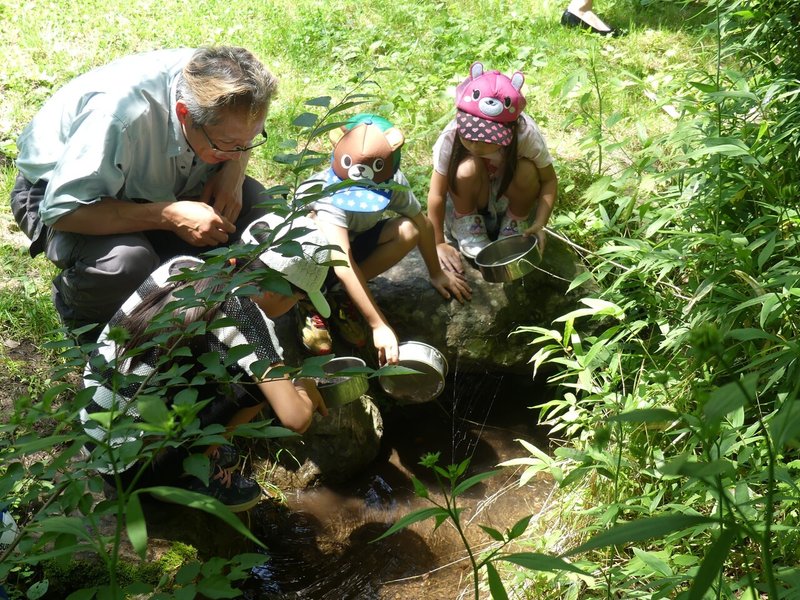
[541, 236]
[449, 258]
[447, 283]
[386, 342]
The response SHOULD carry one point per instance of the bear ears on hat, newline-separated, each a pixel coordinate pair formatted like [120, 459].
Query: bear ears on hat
[366, 147]
[394, 137]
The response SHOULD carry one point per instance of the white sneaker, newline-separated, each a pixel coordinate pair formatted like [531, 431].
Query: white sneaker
[509, 226]
[470, 233]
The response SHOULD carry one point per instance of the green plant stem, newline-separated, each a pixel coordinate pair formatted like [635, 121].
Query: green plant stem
[56, 493]
[769, 498]
[451, 508]
[599, 93]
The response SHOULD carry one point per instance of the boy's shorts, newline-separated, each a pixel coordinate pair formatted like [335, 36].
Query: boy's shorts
[362, 245]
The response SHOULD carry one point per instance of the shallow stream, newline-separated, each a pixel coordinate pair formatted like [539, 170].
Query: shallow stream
[320, 545]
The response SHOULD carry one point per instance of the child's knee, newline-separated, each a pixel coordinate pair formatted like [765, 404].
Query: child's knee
[470, 173]
[526, 180]
[408, 233]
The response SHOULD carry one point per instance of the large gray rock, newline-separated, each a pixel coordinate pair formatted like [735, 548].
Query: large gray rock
[333, 448]
[476, 336]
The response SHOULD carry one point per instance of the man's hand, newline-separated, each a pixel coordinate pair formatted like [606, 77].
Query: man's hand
[223, 191]
[448, 283]
[197, 223]
[449, 258]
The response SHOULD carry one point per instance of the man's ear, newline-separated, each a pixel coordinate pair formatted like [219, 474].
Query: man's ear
[182, 111]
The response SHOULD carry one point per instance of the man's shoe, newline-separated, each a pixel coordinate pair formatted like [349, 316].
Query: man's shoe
[242, 494]
[470, 233]
[313, 329]
[509, 226]
[349, 322]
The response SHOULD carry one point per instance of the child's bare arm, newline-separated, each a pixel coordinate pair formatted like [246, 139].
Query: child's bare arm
[293, 402]
[544, 208]
[445, 282]
[449, 257]
[355, 285]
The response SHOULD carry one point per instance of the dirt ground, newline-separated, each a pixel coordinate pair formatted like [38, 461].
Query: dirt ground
[24, 364]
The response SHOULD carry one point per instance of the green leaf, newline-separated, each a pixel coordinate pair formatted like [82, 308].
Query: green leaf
[188, 592]
[187, 573]
[198, 465]
[729, 397]
[712, 564]
[536, 561]
[411, 518]
[656, 564]
[217, 586]
[785, 423]
[323, 101]
[493, 533]
[767, 250]
[68, 525]
[579, 280]
[86, 594]
[496, 587]
[474, 480]
[38, 589]
[306, 119]
[153, 410]
[42, 443]
[236, 353]
[186, 397]
[205, 503]
[519, 527]
[419, 488]
[642, 529]
[136, 525]
[646, 415]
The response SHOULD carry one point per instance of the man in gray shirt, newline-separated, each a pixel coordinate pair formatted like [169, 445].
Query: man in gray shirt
[138, 161]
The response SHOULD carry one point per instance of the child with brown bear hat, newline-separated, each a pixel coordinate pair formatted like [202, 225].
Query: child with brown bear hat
[363, 182]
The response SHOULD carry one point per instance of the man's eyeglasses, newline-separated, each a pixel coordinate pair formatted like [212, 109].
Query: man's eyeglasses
[235, 149]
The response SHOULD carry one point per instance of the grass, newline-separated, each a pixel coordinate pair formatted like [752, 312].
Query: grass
[315, 48]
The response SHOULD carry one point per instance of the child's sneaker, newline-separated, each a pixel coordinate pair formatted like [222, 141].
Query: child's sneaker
[242, 494]
[509, 226]
[470, 233]
[313, 329]
[349, 323]
[225, 457]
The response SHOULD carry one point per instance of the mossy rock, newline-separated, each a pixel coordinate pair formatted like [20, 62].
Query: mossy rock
[88, 571]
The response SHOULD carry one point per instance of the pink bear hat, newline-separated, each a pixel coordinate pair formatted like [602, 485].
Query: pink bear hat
[487, 102]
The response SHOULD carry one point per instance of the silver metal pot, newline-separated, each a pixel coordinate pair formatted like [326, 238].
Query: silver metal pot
[508, 258]
[418, 387]
[341, 390]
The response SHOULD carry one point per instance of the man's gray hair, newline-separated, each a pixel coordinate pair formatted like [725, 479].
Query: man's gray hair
[218, 79]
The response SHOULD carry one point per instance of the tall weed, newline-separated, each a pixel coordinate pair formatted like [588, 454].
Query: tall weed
[680, 413]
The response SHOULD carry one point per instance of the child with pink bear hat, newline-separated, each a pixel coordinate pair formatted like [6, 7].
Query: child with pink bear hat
[491, 169]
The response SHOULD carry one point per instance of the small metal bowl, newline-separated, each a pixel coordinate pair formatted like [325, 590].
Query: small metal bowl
[338, 391]
[508, 258]
[417, 387]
